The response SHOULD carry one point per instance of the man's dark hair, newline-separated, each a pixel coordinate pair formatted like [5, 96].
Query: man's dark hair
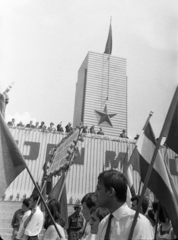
[114, 179]
[35, 197]
[100, 212]
[26, 202]
[90, 200]
[145, 202]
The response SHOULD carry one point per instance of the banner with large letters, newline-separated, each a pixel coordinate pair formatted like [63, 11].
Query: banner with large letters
[95, 153]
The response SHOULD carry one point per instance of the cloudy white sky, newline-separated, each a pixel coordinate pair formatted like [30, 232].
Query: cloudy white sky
[44, 42]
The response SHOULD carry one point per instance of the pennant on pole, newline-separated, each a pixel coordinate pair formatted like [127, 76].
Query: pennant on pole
[12, 162]
[108, 48]
[55, 193]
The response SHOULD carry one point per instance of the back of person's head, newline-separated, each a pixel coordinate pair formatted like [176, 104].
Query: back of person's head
[90, 200]
[100, 212]
[34, 197]
[163, 215]
[117, 181]
[151, 216]
[26, 202]
[55, 210]
[136, 197]
[145, 202]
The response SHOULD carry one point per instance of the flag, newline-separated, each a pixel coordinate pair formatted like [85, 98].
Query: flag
[128, 174]
[63, 199]
[172, 137]
[160, 182]
[12, 162]
[108, 48]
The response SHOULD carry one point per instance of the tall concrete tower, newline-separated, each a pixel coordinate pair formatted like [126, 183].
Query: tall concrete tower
[101, 93]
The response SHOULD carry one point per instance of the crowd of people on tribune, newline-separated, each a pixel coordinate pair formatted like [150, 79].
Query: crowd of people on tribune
[59, 128]
[101, 215]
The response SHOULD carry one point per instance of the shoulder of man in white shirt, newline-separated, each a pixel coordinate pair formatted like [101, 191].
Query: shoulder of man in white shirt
[143, 224]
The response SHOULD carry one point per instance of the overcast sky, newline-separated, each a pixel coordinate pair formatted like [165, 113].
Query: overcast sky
[44, 42]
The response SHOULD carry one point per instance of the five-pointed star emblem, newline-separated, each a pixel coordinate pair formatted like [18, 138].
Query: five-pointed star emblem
[105, 117]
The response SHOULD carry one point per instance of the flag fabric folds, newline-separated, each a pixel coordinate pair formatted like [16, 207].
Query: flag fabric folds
[160, 182]
[172, 137]
[63, 199]
[128, 174]
[108, 48]
[12, 162]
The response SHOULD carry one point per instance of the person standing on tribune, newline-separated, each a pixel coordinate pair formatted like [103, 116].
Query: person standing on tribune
[111, 193]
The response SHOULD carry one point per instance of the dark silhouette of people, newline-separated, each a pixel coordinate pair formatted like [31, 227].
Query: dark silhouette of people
[136, 137]
[85, 129]
[41, 125]
[51, 127]
[11, 123]
[68, 128]
[60, 128]
[30, 125]
[123, 134]
[92, 129]
[20, 124]
[37, 125]
[100, 132]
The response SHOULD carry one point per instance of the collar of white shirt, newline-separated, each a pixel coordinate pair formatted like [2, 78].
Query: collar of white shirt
[124, 210]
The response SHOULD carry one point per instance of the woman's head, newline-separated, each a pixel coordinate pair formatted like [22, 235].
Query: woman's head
[163, 215]
[55, 211]
[88, 201]
[96, 215]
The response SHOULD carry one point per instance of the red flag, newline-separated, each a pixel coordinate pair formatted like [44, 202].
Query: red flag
[108, 48]
[160, 182]
[63, 199]
[12, 162]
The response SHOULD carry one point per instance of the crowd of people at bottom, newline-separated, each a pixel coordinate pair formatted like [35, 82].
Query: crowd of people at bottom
[107, 214]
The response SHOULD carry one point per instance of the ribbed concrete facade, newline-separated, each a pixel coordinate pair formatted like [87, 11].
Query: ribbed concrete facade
[95, 153]
[102, 77]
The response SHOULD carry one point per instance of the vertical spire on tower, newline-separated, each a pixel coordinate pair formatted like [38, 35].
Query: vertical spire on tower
[108, 48]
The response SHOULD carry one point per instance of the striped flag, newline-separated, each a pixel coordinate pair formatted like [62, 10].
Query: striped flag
[12, 162]
[160, 182]
[108, 48]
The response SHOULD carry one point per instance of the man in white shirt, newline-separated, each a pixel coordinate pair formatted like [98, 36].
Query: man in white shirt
[33, 225]
[111, 192]
[27, 212]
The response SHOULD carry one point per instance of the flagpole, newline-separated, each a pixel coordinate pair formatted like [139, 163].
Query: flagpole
[43, 201]
[166, 125]
[109, 64]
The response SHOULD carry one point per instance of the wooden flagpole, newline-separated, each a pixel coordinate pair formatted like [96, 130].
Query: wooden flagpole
[164, 129]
